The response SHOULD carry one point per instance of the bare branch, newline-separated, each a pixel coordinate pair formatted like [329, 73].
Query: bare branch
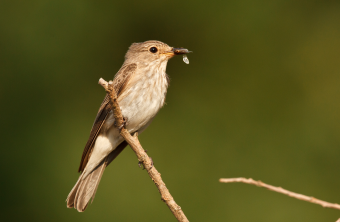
[141, 154]
[281, 190]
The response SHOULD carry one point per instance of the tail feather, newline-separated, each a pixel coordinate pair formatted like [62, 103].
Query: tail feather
[71, 197]
[86, 187]
[89, 188]
[96, 184]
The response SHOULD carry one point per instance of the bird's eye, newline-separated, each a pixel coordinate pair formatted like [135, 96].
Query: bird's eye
[153, 49]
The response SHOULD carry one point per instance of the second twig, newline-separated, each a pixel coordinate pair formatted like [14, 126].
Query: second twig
[281, 190]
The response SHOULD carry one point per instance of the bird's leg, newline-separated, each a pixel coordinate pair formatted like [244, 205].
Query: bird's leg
[124, 123]
[125, 119]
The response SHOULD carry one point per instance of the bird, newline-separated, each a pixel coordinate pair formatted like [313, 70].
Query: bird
[141, 86]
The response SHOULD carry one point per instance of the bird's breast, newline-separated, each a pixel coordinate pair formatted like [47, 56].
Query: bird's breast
[143, 99]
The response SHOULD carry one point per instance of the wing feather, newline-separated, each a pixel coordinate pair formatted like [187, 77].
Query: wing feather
[120, 81]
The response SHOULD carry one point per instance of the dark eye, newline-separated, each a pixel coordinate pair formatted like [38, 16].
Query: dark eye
[153, 49]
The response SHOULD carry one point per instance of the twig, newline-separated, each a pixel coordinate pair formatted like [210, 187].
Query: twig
[281, 190]
[141, 154]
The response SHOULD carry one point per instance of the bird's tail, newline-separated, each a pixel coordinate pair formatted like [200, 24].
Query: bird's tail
[86, 188]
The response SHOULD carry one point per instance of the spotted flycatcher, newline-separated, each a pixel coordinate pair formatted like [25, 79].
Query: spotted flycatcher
[141, 85]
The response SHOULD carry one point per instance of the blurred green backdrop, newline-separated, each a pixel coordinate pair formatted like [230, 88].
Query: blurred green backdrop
[259, 99]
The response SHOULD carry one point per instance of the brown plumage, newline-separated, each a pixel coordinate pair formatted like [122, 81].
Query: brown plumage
[119, 83]
[141, 86]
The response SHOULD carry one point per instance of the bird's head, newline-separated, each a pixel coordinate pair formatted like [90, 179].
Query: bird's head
[152, 52]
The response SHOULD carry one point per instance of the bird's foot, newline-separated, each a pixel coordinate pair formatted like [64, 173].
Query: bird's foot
[125, 119]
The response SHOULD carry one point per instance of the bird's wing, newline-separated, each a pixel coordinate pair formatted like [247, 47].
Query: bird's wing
[120, 81]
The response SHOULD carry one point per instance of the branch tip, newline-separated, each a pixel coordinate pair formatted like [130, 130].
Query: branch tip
[281, 190]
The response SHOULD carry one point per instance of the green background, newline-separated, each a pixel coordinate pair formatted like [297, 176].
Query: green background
[260, 99]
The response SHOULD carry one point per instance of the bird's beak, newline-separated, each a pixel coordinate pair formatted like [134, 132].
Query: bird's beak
[177, 51]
